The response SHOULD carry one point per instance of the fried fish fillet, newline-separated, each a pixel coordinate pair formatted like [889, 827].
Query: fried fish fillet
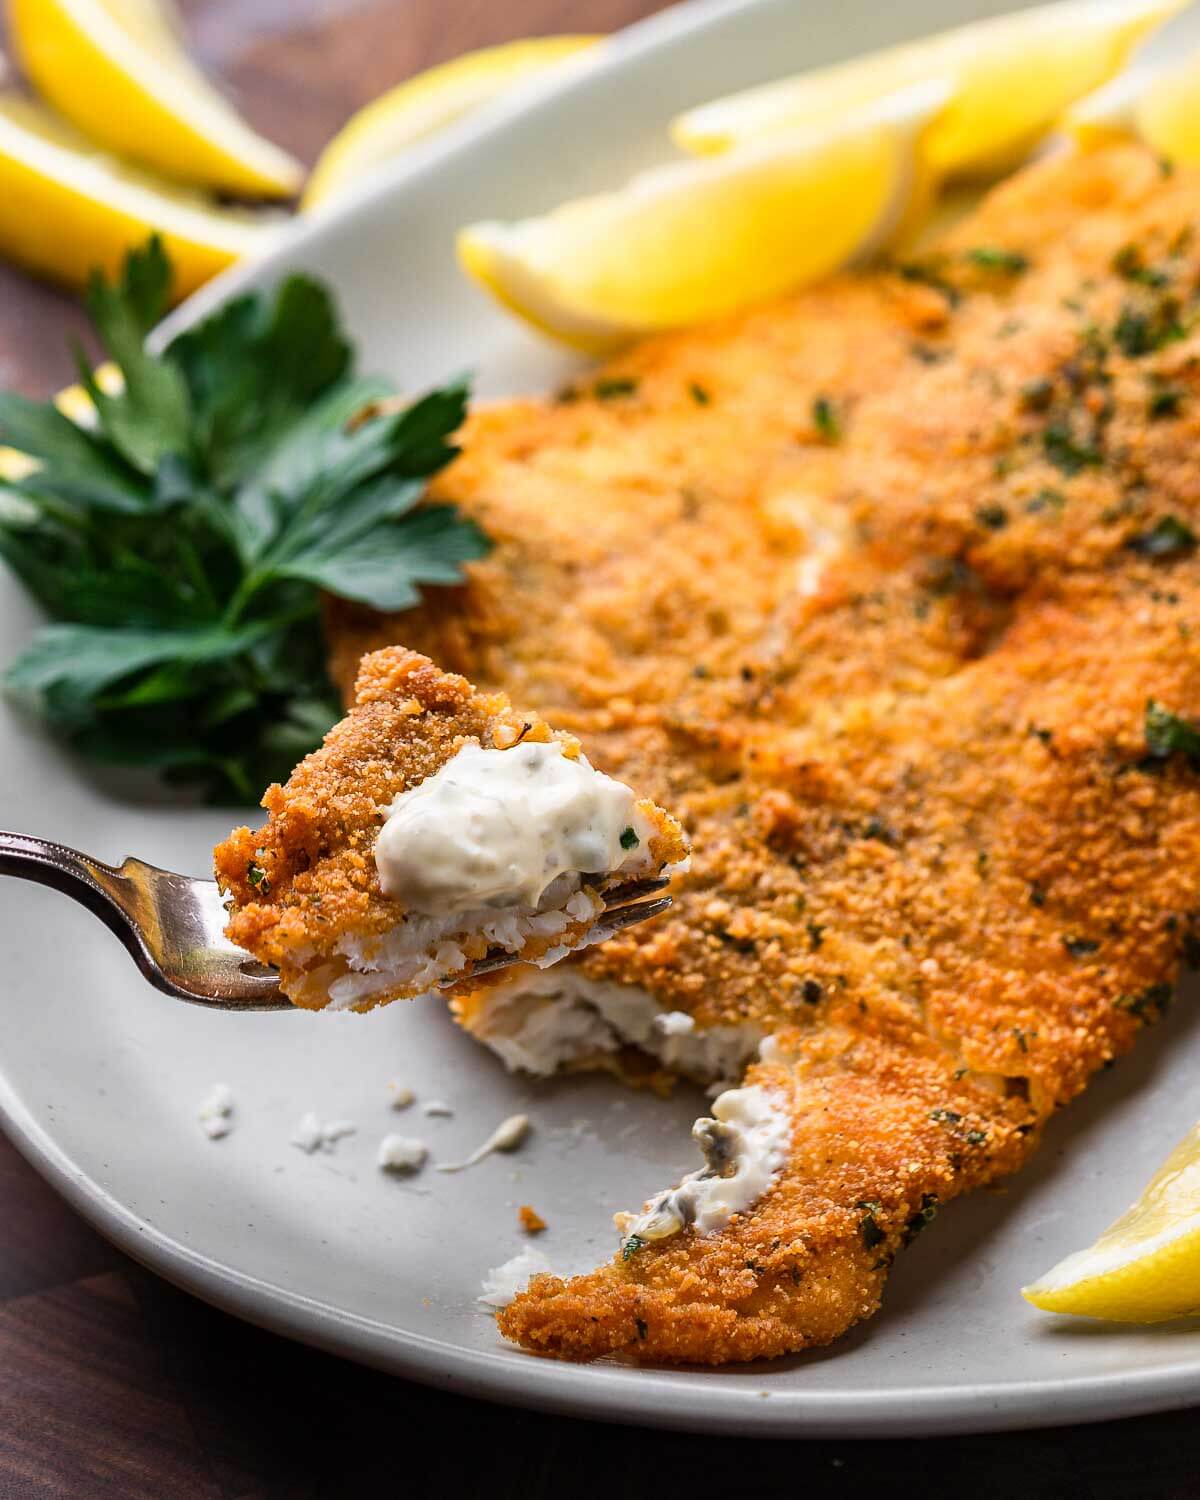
[350, 926]
[891, 591]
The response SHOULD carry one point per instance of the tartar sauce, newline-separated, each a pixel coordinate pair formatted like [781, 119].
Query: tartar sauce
[496, 827]
[745, 1145]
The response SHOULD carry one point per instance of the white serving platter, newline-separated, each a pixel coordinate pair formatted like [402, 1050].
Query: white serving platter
[101, 1077]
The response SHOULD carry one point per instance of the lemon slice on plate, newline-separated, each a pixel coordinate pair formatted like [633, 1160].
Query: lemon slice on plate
[1011, 77]
[67, 208]
[1154, 97]
[1146, 1267]
[117, 71]
[421, 106]
[695, 239]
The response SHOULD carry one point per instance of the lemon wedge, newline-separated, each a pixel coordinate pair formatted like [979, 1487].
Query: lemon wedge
[67, 209]
[1154, 96]
[73, 402]
[1146, 1267]
[423, 105]
[695, 239]
[117, 71]
[1011, 77]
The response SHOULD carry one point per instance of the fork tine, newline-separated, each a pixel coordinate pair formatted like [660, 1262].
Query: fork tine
[616, 921]
[634, 890]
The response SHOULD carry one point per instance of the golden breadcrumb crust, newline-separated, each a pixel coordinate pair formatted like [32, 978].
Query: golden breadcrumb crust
[307, 878]
[880, 614]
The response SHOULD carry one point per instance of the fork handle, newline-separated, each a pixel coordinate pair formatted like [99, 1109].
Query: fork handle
[89, 881]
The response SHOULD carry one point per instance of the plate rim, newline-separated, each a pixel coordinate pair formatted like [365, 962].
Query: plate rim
[686, 1399]
[689, 1399]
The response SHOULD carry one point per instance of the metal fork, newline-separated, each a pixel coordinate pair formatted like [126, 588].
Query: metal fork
[173, 925]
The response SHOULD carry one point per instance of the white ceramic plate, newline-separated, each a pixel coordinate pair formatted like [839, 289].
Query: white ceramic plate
[100, 1077]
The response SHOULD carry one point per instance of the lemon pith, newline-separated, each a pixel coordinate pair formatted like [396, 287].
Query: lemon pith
[1145, 1268]
[421, 106]
[68, 210]
[115, 70]
[1012, 76]
[600, 270]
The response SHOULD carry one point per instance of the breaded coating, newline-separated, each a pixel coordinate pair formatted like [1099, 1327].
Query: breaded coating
[902, 615]
[306, 883]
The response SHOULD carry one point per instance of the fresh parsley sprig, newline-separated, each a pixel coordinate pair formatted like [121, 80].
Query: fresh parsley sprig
[182, 544]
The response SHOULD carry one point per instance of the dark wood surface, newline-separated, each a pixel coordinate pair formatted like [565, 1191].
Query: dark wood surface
[114, 1384]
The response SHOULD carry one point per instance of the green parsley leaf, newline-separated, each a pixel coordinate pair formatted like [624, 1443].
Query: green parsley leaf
[181, 546]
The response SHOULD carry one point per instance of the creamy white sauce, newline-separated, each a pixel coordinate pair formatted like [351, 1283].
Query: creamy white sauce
[539, 1022]
[745, 1145]
[502, 1283]
[507, 1136]
[495, 828]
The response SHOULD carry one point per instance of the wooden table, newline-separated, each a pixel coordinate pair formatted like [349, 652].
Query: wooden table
[113, 1384]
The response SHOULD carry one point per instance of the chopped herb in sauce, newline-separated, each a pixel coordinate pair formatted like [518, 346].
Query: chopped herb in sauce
[816, 935]
[629, 838]
[631, 1246]
[945, 1116]
[699, 393]
[257, 877]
